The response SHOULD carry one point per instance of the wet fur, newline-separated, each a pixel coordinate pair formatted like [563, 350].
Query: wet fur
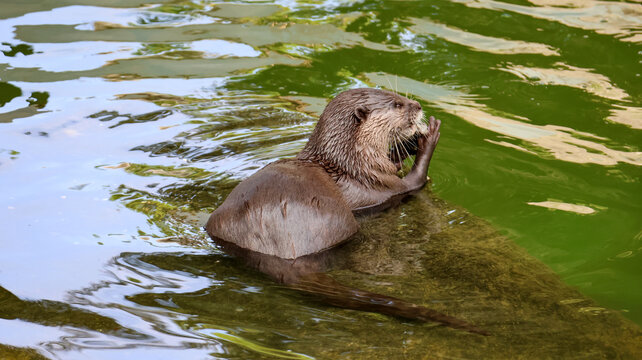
[290, 208]
[345, 167]
[284, 219]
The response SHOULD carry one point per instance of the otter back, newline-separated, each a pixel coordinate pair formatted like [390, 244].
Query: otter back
[289, 208]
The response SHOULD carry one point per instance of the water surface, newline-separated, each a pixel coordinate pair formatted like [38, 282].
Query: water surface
[122, 125]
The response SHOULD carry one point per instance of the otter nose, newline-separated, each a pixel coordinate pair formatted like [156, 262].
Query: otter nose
[415, 105]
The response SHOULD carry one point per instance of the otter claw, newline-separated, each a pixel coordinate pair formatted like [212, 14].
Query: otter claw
[432, 137]
[433, 125]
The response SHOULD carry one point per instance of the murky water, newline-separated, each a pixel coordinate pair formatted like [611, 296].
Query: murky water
[122, 125]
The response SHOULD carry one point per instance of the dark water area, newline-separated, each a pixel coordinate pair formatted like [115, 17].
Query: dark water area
[123, 124]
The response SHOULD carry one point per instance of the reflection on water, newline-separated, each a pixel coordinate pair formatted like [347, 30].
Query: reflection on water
[631, 116]
[579, 209]
[123, 125]
[561, 142]
[620, 19]
[480, 42]
[84, 55]
[209, 303]
[571, 76]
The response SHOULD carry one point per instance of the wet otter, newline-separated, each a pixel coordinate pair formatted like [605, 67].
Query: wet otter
[284, 219]
[301, 206]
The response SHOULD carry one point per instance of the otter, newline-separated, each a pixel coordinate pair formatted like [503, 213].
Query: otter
[287, 218]
[301, 206]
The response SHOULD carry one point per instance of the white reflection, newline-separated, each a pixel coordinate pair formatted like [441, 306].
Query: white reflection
[572, 76]
[558, 205]
[627, 115]
[561, 142]
[85, 17]
[219, 48]
[480, 42]
[25, 334]
[87, 55]
[624, 20]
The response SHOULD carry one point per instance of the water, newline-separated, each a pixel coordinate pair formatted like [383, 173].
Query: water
[123, 125]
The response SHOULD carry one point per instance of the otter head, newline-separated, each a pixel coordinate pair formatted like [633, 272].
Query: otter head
[357, 129]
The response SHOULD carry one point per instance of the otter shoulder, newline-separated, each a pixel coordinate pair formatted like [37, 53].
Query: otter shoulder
[289, 208]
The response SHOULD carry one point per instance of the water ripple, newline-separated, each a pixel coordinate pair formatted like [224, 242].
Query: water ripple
[624, 20]
[561, 142]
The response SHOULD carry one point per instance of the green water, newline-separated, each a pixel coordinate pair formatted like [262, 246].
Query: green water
[123, 125]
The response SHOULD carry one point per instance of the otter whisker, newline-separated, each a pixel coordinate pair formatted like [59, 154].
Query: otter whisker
[404, 146]
[400, 147]
[389, 83]
[405, 153]
[397, 154]
[393, 145]
[394, 149]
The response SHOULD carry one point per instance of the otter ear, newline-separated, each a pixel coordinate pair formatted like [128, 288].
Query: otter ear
[361, 113]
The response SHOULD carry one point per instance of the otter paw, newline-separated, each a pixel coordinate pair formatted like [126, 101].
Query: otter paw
[429, 141]
[433, 130]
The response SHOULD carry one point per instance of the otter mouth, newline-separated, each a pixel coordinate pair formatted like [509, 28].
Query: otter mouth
[402, 148]
[420, 123]
[403, 144]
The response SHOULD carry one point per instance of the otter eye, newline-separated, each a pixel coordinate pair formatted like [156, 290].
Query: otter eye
[398, 105]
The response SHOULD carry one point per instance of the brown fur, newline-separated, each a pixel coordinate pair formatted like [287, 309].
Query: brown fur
[284, 219]
[302, 206]
[289, 209]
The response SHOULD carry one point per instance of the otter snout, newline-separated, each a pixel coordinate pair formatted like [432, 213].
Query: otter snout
[422, 127]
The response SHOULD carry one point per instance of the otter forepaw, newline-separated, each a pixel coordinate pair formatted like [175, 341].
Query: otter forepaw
[433, 130]
[425, 148]
[429, 141]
